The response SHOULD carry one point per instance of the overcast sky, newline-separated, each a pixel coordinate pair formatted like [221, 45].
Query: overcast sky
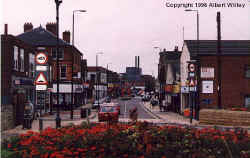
[123, 29]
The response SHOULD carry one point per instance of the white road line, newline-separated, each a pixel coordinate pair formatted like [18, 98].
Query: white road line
[148, 111]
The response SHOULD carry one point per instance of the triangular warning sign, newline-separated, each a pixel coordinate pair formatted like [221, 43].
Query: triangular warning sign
[41, 79]
[191, 83]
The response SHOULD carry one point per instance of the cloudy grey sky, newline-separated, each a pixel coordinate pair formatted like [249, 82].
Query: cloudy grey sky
[123, 29]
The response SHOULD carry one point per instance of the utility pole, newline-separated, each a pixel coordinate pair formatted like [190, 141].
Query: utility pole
[219, 59]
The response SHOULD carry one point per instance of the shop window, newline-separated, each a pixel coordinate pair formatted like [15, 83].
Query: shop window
[15, 58]
[60, 53]
[31, 65]
[63, 71]
[247, 101]
[247, 71]
[22, 60]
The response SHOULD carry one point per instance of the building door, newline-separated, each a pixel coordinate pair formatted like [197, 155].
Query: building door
[19, 100]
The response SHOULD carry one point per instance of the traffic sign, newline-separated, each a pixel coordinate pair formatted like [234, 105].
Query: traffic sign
[41, 87]
[41, 79]
[192, 82]
[191, 67]
[41, 58]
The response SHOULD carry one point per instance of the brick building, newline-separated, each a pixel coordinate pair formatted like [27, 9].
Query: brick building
[235, 72]
[68, 55]
[97, 77]
[17, 69]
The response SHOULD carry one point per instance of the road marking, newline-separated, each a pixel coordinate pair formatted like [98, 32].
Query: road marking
[148, 111]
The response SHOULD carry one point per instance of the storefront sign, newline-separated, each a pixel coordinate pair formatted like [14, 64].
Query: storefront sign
[207, 72]
[169, 88]
[207, 86]
[184, 89]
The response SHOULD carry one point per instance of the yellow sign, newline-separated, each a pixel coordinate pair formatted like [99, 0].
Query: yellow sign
[176, 88]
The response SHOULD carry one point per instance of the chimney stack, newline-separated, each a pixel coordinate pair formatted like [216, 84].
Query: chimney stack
[27, 26]
[51, 27]
[135, 61]
[138, 63]
[66, 36]
[5, 29]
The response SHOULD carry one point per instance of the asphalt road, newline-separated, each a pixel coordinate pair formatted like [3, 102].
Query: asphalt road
[126, 105]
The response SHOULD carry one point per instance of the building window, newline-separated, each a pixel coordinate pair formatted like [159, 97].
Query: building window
[60, 53]
[31, 65]
[22, 60]
[15, 58]
[63, 71]
[247, 101]
[247, 71]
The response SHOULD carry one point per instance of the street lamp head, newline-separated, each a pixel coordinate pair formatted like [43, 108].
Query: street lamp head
[188, 10]
[58, 1]
[82, 10]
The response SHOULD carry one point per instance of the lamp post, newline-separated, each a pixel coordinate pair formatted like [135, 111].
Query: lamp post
[58, 119]
[107, 76]
[160, 78]
[97, 80]
[72, 67]
[74, 22]
[197, 107]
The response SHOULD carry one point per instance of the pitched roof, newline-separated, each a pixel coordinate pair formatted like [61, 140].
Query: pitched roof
[171, 55]
[228, 47]
[40, 37]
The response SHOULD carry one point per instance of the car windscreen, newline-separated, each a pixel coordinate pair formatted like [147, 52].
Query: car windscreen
[107, 109]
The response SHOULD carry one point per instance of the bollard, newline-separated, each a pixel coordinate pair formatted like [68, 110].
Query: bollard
[40, 124]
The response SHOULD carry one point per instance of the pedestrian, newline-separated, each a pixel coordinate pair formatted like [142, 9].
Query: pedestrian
[161, 107]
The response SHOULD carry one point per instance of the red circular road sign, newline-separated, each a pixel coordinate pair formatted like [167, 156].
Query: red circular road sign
[191, 67]
[41, 58]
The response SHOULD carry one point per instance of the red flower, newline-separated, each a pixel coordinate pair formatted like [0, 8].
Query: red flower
[93, 148]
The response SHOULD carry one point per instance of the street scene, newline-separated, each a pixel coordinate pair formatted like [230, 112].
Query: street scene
[125, 79]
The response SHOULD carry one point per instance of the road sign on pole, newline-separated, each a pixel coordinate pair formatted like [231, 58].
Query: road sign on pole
[41, 79]
[41, 58]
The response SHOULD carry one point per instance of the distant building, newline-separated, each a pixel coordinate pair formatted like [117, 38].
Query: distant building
[169, 78]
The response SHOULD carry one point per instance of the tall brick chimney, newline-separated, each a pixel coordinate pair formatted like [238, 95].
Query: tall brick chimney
[51, 27]
[27, 26]
[5, 29]
[66, 36]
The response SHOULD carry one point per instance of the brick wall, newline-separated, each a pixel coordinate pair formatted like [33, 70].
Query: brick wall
[7, 117]
[234, 85]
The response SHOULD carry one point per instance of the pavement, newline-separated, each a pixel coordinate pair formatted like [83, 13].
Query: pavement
[168, 117]
[49, 121]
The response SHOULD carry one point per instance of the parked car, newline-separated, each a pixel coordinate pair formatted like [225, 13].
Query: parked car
[108, 113]
[154, 102]
[112, 104]
[96, 104]
[146, 98]
[108, 100]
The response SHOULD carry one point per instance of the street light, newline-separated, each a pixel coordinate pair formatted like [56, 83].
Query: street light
[97, 80]
[197, 107]
[73, 23]
[58, 119]
[160, 77]
[72, 67]
[107, 76]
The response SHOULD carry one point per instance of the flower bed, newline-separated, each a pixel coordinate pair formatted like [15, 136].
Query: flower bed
[140, 140]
